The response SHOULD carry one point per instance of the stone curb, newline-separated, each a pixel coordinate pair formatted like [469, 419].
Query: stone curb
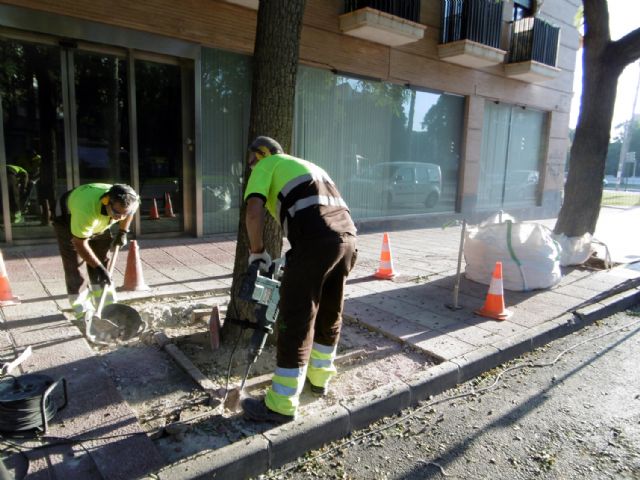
[609, 306]
[433, 381]
[278, 446]
[243, 459]
[477, 361]
[289, 441]
[378, 403]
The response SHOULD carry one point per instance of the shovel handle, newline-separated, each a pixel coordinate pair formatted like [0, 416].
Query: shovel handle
[110, 266]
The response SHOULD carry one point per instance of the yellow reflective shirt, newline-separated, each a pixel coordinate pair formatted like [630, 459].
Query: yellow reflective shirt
[85, 207]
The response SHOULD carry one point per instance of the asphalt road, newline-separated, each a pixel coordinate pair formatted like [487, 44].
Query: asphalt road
[568, 410]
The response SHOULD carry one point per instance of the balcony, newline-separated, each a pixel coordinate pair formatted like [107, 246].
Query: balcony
[470, 33]
[388, 22]
[533, 52]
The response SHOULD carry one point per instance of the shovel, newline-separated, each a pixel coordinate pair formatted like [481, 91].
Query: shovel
[115, 321]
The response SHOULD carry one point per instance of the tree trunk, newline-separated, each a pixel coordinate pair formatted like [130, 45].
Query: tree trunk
[583, 190]
[602, 64]
[275, 67]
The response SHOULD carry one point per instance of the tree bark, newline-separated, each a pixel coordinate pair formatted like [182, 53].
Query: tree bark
[602, 64]
[275, 68]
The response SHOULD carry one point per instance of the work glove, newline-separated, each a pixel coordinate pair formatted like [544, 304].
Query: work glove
[264, 258]
[120, 240]
[102, 275]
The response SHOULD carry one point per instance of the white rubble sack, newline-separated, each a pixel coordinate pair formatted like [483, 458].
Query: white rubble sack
[575, 250]
[530, 256]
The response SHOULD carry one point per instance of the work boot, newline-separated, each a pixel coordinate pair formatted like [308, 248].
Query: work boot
[256, 410]
[318, 391]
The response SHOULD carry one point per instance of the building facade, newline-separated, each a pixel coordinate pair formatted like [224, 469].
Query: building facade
[420, 110]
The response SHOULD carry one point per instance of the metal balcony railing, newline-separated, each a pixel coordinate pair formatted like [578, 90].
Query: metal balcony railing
[476, 20]
[534, 39]
[407, 9]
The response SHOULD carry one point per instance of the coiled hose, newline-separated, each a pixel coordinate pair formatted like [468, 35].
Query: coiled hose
[26, 403]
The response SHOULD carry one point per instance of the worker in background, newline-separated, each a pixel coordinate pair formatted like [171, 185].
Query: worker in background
[82, 222]
[318, 225]
[17, 182]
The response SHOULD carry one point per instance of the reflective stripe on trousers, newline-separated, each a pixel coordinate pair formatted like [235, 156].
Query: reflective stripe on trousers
[286, 385]
[96, 293]
[88, 299]
[82, 303]
[321, 367]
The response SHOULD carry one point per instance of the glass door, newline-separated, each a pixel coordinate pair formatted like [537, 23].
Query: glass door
[159, 114]
[101, 107]
[34, 139]
[511, 156]
[67, 120]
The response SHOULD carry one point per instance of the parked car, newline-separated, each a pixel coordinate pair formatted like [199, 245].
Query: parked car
[397, 183]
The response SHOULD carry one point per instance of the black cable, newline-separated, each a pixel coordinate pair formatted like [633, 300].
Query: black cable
[25, 414]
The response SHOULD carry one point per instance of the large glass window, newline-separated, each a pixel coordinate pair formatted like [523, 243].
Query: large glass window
[33, 123]
[390, 149]
[512, 148]
[226, 96]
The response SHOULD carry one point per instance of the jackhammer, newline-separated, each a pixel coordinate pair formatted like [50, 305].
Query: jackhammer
[262, 289]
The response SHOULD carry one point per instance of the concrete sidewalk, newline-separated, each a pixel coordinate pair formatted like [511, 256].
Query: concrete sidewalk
[410, 309]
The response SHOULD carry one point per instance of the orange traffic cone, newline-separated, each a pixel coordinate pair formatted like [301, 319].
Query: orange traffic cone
[153, 213]
[494, 305]
[6, 297]
[133, 278]
[385, 271]
[168, 208]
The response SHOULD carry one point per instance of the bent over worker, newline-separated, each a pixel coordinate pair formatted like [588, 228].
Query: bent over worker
[318, 225]
[17, 181]
[81, 223]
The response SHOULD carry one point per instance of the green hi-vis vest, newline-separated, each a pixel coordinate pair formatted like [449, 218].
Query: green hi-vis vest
[85, 207]
[290, 186]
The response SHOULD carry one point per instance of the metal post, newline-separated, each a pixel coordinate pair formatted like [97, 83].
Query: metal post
[456, 287]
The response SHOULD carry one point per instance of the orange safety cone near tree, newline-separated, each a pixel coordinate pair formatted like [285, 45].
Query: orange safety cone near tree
[385, 270]
[168, 207]
[153, 213]
[494, 305]
[133, 278]
[6, 297]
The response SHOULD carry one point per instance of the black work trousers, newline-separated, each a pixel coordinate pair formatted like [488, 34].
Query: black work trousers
[311, 296]
[74, 274]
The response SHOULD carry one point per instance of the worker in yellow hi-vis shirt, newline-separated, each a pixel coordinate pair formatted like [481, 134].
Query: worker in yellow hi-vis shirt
[81, 222]
[318, 225]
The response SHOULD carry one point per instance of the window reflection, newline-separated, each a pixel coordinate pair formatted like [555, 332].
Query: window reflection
[33, 134]
[511, 157]
[226, 94]
[159, 111]
[391, 150]
[102, 118]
